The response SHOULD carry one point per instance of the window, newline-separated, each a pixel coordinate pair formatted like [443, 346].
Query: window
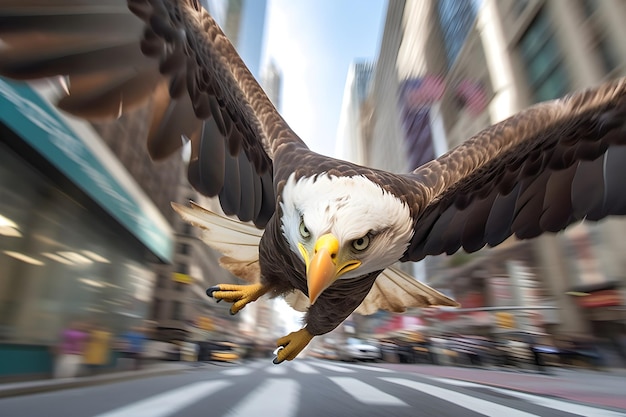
[156, 308]
[177, 310]
[456, 19]
[602, 45]
[161, 281]
[545, 69]
[589, 7]
[182, 268]
[186, 229]
[183, 248]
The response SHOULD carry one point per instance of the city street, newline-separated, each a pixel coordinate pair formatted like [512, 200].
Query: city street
[311, 387]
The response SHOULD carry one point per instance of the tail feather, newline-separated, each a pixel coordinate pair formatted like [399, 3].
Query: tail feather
[395, 291]
[237, 241]
[248, 270]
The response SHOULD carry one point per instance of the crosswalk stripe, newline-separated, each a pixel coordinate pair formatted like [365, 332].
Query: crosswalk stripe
[259, 363]
[263, 401]
[369, 368]
[477, 405]
[303, 368]
[332, 367]
[163, 405]
[578, 409]
[276, 369]
[240, 370]
[365, 393]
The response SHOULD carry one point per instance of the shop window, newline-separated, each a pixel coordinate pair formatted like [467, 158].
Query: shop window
[60, 261]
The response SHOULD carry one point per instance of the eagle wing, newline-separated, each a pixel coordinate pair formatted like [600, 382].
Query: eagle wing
[116, 56]
[538, 171]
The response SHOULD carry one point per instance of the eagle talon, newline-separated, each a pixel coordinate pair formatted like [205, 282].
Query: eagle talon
[211, 290]
[239, 295]
[291, 345]
[275, 361]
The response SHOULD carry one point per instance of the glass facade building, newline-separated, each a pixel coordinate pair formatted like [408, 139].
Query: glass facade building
[77, 242]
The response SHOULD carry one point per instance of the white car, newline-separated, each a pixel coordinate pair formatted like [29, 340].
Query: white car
[357, 349]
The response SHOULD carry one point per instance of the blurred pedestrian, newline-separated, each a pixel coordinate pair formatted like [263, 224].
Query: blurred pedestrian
[535, 352]
[69, 351]
[132, 343]
[97, 349]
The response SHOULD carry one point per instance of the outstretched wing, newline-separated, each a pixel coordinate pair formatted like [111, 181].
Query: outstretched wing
[538, 171]
[165, 51]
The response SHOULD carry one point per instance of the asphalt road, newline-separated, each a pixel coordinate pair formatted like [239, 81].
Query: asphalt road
[302, 388]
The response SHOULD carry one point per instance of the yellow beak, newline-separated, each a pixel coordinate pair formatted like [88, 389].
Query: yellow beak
[324, 268]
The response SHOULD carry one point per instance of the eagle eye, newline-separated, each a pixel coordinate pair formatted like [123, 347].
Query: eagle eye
[361, 243]
[304, 232]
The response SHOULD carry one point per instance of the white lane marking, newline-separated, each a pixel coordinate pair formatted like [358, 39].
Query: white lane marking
[240, 370]
[276, 369]
[578, 409]
[365, 393]
[476, 405]
[166, 404]
[259, 363]
[265, 401]
[369, 368]
[303, 367]
[332, 367]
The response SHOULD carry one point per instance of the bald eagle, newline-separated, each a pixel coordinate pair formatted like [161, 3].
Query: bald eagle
[325, 231]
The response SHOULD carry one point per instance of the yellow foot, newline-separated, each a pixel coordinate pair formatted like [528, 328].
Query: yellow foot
[291, 345]
[239, 295]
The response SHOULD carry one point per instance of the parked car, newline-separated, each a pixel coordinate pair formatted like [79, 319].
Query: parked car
[358, 350]
[219, 351]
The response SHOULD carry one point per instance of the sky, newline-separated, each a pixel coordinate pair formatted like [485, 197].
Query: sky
[313, 42]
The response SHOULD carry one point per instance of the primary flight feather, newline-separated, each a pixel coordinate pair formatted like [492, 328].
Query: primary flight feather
[331, 229]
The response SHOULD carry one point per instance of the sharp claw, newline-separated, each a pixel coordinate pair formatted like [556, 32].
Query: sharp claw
[211, 290]
[275, 361]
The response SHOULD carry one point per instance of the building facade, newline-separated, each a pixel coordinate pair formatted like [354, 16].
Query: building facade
[79, 237]
[448, 69]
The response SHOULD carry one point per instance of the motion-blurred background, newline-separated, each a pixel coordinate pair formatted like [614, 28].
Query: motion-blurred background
[88, 239]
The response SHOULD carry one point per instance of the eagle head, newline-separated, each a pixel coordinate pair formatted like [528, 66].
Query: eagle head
[343, 227]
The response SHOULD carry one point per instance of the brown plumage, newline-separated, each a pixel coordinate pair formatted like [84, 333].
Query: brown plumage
[539, 171]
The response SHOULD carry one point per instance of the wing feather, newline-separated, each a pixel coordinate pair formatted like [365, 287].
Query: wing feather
[536, 172]
[117, 56]
[238, 242]
[395, 291]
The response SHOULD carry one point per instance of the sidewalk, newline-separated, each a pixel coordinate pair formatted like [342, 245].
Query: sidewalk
[603, 388]
[45, 385]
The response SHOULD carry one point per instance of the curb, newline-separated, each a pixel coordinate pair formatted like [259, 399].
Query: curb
[47, 385]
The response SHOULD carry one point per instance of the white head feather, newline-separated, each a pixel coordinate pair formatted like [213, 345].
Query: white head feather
[349, 208]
